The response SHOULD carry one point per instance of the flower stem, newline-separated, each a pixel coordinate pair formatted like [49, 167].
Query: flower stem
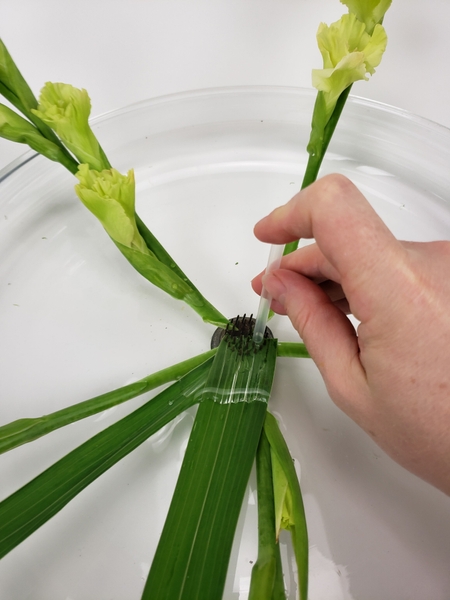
[194, 299]
[315, 159]
[23, 431]
[292, 350]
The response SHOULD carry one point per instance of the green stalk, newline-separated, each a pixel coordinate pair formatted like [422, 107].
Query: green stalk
[163, 272]
[192, 557]
[316, 157]
[23, 431]
[36, 502]
[267, 577]
[17, 91]
[17, 129]
[294, 519]
[279, 592]
[65, 158]
[194, 298]
[292, 350]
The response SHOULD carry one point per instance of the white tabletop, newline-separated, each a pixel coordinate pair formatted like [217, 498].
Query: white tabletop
[123, 51]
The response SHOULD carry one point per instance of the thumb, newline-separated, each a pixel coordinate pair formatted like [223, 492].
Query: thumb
[327, 333]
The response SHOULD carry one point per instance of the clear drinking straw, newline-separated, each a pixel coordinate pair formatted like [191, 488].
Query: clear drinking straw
[275, 256]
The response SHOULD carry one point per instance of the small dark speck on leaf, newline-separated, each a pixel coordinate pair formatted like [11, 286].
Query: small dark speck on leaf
[16, 304]
[236, 263]
[44, 238]
[250, 561]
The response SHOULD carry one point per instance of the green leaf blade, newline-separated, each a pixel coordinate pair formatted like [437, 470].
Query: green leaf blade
[185, 570]
[22, 431]
[35, 503]
[192, 557]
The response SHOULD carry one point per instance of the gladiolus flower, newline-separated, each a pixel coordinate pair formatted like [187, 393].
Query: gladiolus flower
[349, 54]
[110, 196]
[66, 109]
[369, 12]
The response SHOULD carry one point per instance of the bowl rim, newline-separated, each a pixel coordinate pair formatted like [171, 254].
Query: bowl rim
[353, 100]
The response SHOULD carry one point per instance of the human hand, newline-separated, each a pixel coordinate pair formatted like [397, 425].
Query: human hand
[392, 376]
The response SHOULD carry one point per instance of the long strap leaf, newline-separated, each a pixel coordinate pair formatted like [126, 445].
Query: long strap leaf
[23, 431]
[267, 575]
[297, 519]
[192, 557]
[292, 350]
[32, 505]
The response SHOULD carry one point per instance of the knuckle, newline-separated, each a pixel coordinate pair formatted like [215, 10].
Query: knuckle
[335, 185]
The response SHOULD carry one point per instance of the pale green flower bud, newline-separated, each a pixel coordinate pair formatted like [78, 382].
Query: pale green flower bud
[110, 196]
[17, 129]
[282, 497]
[12, 85]
[349, 54]
[369, 12]
[66, 109]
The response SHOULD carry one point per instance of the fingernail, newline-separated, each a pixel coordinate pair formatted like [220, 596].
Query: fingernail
[275, 287]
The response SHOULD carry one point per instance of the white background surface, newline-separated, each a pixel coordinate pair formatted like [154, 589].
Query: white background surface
[69, 334]
[123, 51]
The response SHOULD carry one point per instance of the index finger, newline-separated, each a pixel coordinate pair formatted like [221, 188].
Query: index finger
[347, 230]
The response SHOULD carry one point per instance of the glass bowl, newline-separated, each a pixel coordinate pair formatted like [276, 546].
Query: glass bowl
[76, 321]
